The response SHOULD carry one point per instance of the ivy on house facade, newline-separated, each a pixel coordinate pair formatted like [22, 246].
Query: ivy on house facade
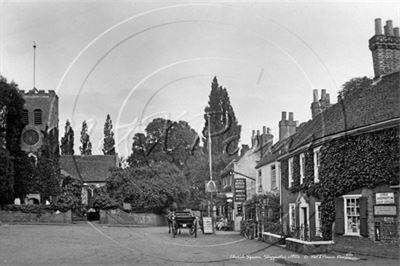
[347, 163]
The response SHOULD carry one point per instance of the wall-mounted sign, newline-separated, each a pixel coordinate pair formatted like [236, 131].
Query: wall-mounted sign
[384, 198]
[207, 225]
[240, 189]
[385, 210]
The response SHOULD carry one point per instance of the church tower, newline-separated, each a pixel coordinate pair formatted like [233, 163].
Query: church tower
[40, 111]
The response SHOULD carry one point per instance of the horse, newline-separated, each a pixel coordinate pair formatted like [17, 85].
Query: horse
[169, 218]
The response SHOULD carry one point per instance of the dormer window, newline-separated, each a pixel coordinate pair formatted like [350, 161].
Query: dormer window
[37, 116]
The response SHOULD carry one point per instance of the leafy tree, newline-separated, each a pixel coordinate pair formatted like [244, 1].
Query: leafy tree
[224, 127]
[86, 148]
[67, 142]
[102, 200]
[11, 104]
[197, 174]
[138, 157]
[165, 141]
[109, 142]
[24, 175]
[354, 85]
[70, 196]
[150, 188]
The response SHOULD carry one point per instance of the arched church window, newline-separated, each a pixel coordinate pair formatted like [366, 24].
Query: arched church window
[25, 117]
[37, 115]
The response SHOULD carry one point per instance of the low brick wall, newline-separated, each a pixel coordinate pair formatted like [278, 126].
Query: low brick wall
[273, 239]
[308, 247]
[365, 246]
[120, 217]
[43, 217]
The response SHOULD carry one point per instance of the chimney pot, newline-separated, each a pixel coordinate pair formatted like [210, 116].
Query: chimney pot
[290, 116]
[378, 26]
[385, 30]
[389, 28]
[396, 32]
[258, 132]
[264, 130]
[328, 98]
[253, 132]
[283, 116]
[315, 96]
[268, 130]
[323, 94]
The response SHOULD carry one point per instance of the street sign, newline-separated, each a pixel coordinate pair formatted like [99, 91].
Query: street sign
[211, 186]
[240, 189]
[207, 225]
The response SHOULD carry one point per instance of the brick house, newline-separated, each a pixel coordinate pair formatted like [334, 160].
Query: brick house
[341, 168]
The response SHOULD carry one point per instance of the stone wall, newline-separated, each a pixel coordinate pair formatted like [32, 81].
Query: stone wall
[43, 217]
[123, 218]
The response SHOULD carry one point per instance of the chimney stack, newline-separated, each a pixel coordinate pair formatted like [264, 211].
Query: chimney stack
[287, 127]
[318, 106]
[265, 140]
[385, 48]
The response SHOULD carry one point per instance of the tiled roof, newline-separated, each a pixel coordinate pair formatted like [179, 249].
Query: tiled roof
[366, 107]
[277, 149]
[91, 168]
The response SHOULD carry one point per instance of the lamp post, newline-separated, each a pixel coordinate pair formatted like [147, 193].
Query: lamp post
[210, 166]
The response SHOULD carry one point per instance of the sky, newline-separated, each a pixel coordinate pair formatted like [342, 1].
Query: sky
[138, 60]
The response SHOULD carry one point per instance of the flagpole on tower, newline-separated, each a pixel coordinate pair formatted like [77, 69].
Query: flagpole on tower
[34, 64]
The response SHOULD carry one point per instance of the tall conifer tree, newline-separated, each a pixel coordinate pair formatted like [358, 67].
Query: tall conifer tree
[86, 148]
[109, 142]
[225, 129]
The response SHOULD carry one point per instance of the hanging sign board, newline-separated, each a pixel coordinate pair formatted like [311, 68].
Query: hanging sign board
[211, 186]
[384, 198]
[207, 225]
[240, 189]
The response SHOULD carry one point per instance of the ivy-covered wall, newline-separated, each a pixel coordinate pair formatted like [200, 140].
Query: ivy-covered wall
[347, 164]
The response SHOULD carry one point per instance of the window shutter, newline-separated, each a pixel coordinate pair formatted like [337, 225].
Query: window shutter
[339, 214]
[363, 217]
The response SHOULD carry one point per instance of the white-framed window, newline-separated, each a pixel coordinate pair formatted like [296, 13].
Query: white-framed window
[302, 167]
[273, 177]
[259, 181]
[290, 172]
[352, 214]
[317, 163]
[318, 222]
[292, 217]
